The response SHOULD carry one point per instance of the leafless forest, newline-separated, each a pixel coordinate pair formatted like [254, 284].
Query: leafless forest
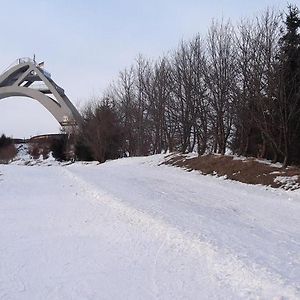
[236, 89]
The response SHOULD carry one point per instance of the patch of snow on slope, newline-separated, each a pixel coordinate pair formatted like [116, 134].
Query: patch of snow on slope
[24, 158]
[288, 182]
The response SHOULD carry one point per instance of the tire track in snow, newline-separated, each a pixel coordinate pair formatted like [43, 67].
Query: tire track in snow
[247, 281]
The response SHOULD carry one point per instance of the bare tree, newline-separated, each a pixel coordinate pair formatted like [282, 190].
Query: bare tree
[220, 77]
[264, 101]
[124, 93]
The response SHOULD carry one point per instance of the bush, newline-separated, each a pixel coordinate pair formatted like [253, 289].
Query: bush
[34, 151]
[5, 141]
[8, 150]
[59, 149]
[100, 137]
[83, 151]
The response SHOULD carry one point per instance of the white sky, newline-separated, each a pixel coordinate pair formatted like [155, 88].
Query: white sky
[85, 43]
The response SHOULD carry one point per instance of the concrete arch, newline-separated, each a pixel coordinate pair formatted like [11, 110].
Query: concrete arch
[21, 80]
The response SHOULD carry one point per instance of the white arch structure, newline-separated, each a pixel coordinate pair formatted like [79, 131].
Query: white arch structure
[26, 78]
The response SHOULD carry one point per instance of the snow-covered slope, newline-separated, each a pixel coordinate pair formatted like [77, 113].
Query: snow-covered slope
[130, 229]
[24, 158]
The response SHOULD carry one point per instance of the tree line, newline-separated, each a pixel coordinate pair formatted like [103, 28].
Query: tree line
[236, 89]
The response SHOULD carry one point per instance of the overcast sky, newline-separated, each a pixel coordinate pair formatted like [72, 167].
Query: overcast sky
[85, 43]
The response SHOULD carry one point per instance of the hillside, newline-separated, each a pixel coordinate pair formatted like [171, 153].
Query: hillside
[242, 169]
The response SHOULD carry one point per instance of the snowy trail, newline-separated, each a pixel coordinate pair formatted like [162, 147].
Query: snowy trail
[222, 265]
[132, 230]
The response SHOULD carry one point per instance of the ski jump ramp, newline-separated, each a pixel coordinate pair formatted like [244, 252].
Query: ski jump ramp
[26, 78]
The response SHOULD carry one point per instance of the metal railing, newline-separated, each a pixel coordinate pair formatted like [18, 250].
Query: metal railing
[26, 60]
[19, 61]
[23, 60]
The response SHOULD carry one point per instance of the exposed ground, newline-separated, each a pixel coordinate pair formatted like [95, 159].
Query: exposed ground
[246, 170]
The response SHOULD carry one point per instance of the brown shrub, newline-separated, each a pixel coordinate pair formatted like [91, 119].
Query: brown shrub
[35, 151]
[7, 153]
[45, 151]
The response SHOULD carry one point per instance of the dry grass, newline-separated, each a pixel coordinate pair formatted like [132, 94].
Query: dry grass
[248, 170]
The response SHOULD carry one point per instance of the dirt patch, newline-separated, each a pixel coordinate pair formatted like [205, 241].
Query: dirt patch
[246, 170]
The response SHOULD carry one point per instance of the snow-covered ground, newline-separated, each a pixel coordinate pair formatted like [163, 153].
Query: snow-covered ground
[130, 229]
